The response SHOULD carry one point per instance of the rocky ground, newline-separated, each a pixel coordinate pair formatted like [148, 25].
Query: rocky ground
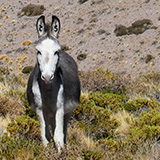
[121, 36]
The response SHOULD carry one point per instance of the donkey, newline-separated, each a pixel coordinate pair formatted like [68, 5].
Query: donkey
[53, 89]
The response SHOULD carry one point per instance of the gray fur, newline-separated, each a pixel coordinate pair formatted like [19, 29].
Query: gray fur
[66, 75]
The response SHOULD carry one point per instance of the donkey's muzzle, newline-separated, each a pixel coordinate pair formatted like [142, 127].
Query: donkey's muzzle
[47, 78]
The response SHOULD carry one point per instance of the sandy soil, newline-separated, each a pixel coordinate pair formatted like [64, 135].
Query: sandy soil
[86, 28]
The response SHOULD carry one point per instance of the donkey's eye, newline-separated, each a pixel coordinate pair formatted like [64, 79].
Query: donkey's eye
[38, 53]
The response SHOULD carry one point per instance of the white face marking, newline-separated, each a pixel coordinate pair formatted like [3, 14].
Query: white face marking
[47, 58]
[58, 133]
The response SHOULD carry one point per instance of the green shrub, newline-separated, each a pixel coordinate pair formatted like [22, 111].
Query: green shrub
[93, 119]
[82, 56]
[139, 103]
[91, 155]
[25, 127]
[147, 126]
[109, 101]
[4, 71]
[22, 137]
[27, 69]
[12, 147]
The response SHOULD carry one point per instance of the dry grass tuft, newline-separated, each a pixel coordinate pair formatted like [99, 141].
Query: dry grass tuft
[81, 139]
[10, 107]
[25, 154]
[4, 123]
[125, 118]
[27, 43]
[147, 86]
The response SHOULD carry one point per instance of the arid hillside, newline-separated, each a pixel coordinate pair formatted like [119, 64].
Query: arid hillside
[116, 44]
[121, 36]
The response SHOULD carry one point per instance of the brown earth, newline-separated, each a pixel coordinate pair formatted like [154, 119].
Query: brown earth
[90, 29]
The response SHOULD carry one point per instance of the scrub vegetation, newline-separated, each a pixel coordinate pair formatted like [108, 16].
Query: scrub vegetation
[116, 119]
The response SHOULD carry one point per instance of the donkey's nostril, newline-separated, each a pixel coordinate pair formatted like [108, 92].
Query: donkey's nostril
[42, 77]
[52, 76]
[47, 78]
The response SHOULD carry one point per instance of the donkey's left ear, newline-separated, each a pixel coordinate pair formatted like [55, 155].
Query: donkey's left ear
[55, 26]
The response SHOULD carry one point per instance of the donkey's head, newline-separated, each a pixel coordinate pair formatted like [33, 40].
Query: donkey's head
[48, 47]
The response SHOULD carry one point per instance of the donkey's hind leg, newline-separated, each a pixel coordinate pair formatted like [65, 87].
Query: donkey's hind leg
[66, 120]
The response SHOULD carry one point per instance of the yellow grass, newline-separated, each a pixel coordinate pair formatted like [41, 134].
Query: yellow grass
[125, 119]
[24, 154]
[4, 122]
[82, 139]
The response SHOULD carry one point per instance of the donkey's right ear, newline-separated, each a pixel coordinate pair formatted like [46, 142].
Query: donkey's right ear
[55, 26]
[40, 25]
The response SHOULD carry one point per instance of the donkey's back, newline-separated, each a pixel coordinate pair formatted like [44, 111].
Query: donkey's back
[69, 78]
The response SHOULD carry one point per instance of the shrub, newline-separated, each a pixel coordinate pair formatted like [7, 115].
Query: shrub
[109, 101]
[91, 155]
[27, 69]
[140, 103]
[32, 10]
[9, 106]
[93, 119]
[82, 1]
[82, 56]
[147, 126]
[25, 127]
[100, 79]
[4, 71]
[15, 148]
[138, 27]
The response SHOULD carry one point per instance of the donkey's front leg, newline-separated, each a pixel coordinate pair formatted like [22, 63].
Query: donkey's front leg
[40, 115]
[59, 119]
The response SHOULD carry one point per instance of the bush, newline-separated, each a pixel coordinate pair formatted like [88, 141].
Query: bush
[27, 69]
[32, 10]
[147, 126]
[140, 103]
[25, 127]
[93, 119]
[101, 80]
[108, 101]
[9, 106]
[91, 155]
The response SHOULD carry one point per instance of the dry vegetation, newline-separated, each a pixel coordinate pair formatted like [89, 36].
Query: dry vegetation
[116, 119]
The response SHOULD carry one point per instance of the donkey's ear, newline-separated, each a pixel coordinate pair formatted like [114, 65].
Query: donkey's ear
[40, 25]
[55, 26]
